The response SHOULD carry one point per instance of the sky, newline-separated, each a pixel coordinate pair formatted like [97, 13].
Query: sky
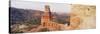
[84, 2]
[55, 7]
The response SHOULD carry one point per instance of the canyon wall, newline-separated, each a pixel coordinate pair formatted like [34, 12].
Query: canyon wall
[87, 15]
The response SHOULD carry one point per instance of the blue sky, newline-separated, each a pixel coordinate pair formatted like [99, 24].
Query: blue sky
[55, 7]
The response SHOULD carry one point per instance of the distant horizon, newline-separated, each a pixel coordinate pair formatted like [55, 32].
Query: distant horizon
[54, 7]
[38, 10]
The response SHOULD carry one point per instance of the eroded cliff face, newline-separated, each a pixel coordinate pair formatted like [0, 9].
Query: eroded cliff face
[87, 15]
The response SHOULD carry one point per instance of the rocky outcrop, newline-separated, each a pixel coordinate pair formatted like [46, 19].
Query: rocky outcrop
[87, 15]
